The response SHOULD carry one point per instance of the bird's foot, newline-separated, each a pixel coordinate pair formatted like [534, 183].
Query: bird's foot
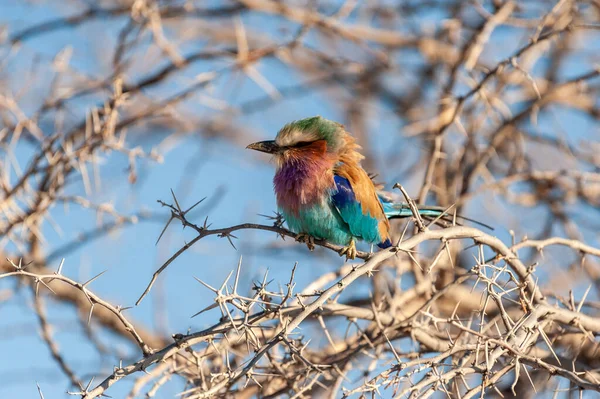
[307, 239]
[349, 251]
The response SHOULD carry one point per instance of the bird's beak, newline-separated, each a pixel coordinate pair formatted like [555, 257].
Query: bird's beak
[269, 146]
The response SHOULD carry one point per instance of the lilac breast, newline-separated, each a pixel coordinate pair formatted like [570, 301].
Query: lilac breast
[302, 183]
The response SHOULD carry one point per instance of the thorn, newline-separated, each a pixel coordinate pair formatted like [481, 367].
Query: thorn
[39, 390]
[264, 282]
[212, 306]
[583, 298]
[193, 206]
[225, 282]
[45, 285]
[89, 384]
[90, 315]
[60, 266]
[93, 278]
[228, 236]
[206, 285]
[237, 276]
[176, 202]
[165, 228]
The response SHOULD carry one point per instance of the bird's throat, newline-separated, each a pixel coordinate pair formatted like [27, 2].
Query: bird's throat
[303, 181]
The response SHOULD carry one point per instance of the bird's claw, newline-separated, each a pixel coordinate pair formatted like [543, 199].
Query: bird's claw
[349, 251]
[307, 239]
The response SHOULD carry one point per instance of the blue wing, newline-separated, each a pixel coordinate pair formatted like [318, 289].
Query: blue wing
[361, 225]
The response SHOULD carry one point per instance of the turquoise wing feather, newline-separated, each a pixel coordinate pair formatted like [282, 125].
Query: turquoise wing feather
[362, 225]
[401, 210]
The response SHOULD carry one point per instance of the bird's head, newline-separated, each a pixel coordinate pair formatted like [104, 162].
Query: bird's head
[314, 136]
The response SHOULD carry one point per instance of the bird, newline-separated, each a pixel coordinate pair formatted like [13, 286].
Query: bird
[323, 192]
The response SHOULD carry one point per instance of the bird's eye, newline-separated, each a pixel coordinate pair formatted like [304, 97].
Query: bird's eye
[302, 144]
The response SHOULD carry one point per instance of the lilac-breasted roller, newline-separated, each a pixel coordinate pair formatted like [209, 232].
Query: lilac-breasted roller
[323, 192]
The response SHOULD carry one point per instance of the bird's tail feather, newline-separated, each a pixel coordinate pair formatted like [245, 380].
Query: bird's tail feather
[394, 210]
